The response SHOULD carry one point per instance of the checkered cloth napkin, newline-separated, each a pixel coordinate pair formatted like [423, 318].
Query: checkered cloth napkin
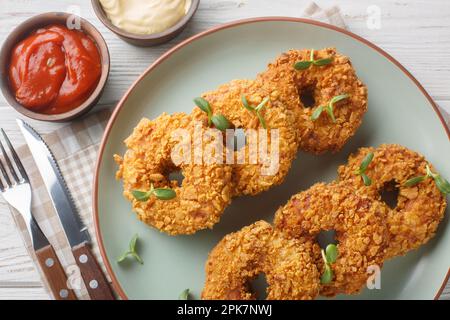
[75, 149]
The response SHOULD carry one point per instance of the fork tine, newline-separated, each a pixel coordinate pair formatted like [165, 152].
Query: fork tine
[5, 176]
[15, 157]
[8, 163]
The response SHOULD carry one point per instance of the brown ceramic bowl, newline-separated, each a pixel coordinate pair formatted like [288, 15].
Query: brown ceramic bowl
[21, 32]
[143, 40]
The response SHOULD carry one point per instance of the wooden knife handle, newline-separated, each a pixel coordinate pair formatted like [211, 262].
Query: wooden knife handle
[94, 279]
[54, 272]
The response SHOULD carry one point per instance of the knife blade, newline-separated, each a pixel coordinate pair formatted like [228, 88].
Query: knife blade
[75, 230]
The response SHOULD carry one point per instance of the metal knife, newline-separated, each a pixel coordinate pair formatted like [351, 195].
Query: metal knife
[77, 234]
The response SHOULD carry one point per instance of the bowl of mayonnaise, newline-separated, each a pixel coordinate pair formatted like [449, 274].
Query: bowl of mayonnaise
[145, 22]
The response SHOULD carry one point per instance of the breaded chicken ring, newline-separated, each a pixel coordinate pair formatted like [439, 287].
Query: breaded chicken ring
[253, 173]
[239, 257]
[359, 223]
[331, 75]
[419, 208]
[203, 194]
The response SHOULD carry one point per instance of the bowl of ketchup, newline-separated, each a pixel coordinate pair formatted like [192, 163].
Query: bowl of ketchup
[54, 67]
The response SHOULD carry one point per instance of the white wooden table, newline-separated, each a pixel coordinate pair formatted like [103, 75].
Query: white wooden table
[416, 32]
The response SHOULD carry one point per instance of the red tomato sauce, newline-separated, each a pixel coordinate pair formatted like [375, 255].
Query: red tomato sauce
[54, 70]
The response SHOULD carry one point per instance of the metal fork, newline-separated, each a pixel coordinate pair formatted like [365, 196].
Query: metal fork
[16, 190]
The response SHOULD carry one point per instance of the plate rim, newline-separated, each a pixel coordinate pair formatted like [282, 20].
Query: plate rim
[115, 283]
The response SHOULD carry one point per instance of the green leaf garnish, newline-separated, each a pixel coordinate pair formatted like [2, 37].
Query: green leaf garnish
[367, 181]
[164, 193]
[261, 120]
[322, 62]
[329, 256]
[184, 295]
[205, 107]
[141, 195]
[331, 253]
[137, 257]
[429, 172]
[262, 104]
[327, 275]
[330, 112]
[256, 109]
[132, 245]
[305, 64]
[316, 114]
[332, 102]
[442, 184]
[203, 104]
[413, 181]
[328, 108]
[339, 98]
[302, 65]
[131, 251]
[366, 161]
[363, 167]
[245, 104]
[220, 122]
[160, 193]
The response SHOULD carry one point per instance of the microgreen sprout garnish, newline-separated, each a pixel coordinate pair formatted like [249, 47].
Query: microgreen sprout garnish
[205, 107]
[363, 168]
[303, 65]
[184, 295]
[159, 193]
[329, 256]
[219, 120]
[329, 108]
[131, 251]
[257, 109]
[442, 184]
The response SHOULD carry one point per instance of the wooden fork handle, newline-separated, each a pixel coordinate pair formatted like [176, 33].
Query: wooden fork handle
[54, 273]
[93, 276]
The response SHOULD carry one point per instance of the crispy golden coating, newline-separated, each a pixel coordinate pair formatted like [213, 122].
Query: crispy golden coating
[249, 178]
[205, 190]
[241, 256]
[419, 209]
[359, 223]
[284, 116]
[235, 261]
[367, 231]
[323, 83]
[290, 269]
[284, 85]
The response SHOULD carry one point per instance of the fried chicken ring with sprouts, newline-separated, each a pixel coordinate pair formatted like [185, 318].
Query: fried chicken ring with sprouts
[367, 230]
[203, 194]
[420, 207]
[255, 171]
[359, 224]
[317, 84]
[239, 257]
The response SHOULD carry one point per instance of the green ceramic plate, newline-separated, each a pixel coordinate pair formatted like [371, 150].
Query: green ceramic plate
[399, 112]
